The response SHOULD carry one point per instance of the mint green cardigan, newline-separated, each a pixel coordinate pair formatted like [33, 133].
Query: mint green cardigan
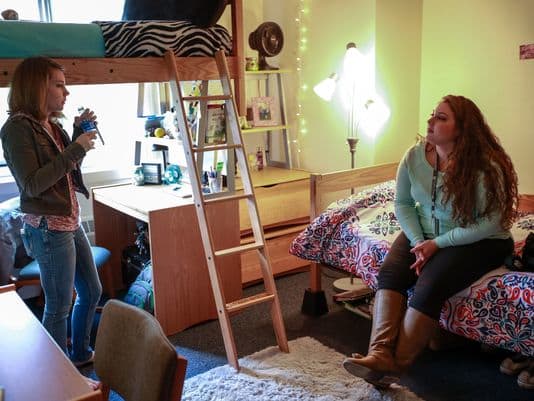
[413, 202]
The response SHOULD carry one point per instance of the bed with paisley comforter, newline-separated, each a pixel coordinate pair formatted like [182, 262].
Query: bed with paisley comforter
[354, 234]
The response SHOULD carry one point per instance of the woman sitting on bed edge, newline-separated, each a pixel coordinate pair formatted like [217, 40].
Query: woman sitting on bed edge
[456, 198]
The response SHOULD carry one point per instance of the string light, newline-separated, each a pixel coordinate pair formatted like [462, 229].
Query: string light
[302, 45]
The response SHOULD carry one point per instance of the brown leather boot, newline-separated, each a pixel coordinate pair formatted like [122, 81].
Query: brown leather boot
[414, 335]
[388, 311]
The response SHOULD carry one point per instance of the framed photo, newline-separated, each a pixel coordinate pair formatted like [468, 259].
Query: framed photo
[216, 126]
[264, 111]
[152, 173]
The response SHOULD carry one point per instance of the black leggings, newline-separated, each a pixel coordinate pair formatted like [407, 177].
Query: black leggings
[447, 272]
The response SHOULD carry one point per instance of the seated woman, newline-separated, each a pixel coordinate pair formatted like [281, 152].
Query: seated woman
[456, 199]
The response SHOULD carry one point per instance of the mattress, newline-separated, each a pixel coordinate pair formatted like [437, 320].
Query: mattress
[355, 234]
[20, 39]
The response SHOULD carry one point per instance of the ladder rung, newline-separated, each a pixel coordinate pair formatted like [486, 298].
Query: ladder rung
[239, 249]
[244, 303]
[228, 198]
[211, 148]
[208, 98]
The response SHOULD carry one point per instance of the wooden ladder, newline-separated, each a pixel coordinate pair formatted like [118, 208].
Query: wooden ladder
[233, 143]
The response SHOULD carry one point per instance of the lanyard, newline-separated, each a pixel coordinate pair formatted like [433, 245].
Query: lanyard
[435, 221]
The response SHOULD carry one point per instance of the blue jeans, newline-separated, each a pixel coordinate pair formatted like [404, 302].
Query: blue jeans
[66, 262]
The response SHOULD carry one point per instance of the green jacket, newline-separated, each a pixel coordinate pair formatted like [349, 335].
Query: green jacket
[40, 168]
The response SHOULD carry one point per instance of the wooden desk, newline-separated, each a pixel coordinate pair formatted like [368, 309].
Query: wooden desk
[32, 366]
[182, 290]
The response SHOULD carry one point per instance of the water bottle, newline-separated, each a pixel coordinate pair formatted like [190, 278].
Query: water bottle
[89, 125]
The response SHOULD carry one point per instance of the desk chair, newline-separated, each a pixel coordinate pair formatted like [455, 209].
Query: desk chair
[134, 358]
[29, 274]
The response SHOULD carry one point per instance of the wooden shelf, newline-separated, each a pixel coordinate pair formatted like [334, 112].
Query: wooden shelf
[270, 176]
[263, 129]
[261, 72]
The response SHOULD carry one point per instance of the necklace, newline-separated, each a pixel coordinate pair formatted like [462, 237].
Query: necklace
[435, 221]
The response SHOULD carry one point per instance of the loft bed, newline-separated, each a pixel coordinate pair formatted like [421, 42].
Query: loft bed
[354, 233]
[113, 70]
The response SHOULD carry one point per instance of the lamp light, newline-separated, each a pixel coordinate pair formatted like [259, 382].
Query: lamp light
[325, 89]
[364, 108]
[153, 99]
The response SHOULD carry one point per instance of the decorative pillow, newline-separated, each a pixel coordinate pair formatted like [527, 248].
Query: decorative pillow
[204, 13]
[350, 222]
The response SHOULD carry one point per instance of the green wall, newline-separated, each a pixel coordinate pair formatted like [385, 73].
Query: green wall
[389, 32]
[472, 48]
[422, 50]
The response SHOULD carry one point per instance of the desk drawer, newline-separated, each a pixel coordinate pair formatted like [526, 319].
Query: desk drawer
[278, 204]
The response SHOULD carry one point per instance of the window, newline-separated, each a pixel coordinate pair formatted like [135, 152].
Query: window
[66, 10]
[115, 105]
[86, 11]
[27, 9]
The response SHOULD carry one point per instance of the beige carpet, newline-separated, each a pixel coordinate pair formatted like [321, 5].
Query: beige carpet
[311, 371]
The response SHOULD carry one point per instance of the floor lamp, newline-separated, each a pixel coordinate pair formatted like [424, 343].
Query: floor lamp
[325, 89]
[350, 82]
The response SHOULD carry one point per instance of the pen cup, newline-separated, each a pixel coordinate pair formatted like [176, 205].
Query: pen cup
[215, 182]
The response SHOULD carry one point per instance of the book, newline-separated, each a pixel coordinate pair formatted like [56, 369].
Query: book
[216, 126]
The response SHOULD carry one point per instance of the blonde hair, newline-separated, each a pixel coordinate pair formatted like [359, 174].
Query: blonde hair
[29, 86]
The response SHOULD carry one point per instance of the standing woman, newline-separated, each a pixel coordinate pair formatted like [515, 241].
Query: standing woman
[45, 163]
[456, 199]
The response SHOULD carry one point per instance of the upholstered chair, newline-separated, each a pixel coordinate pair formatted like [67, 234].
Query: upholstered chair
[134, 358]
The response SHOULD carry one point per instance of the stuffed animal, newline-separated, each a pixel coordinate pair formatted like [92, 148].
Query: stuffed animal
[10, 14]
[204, 13]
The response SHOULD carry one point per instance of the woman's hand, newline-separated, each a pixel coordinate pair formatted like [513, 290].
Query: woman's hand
[87, 115]
[423, 251]
[87, 140]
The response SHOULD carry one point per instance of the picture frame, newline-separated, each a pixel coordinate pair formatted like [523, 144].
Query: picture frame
[264, 111]
[152, 173]
[216, 124]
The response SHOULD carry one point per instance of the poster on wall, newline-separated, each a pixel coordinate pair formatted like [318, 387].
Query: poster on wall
[526, 51]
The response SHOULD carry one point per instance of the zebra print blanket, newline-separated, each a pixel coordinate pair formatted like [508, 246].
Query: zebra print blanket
[154, 38]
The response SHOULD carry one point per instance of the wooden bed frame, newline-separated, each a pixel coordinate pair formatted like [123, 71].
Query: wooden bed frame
[321, 188]
[153, 69]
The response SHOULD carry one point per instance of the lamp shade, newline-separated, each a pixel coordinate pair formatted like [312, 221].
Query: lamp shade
[154, 99]
[325, 89]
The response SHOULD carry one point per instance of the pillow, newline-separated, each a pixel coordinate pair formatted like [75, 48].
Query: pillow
[204, 13]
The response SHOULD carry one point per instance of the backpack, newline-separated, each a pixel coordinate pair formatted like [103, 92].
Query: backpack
[141, 291]
[524, 262]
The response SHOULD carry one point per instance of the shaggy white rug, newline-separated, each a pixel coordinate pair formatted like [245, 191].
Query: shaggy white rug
[310, 371]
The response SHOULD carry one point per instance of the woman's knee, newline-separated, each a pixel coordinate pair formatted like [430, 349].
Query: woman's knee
[395, 272]
[426, 303]
[57, 312]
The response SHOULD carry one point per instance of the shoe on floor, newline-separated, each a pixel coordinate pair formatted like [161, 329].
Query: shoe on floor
[526, 377]
[89, 360]
[514, 364]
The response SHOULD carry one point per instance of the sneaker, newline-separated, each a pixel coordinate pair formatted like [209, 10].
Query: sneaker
[526, 377]
[89, 360]
[514, 364]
